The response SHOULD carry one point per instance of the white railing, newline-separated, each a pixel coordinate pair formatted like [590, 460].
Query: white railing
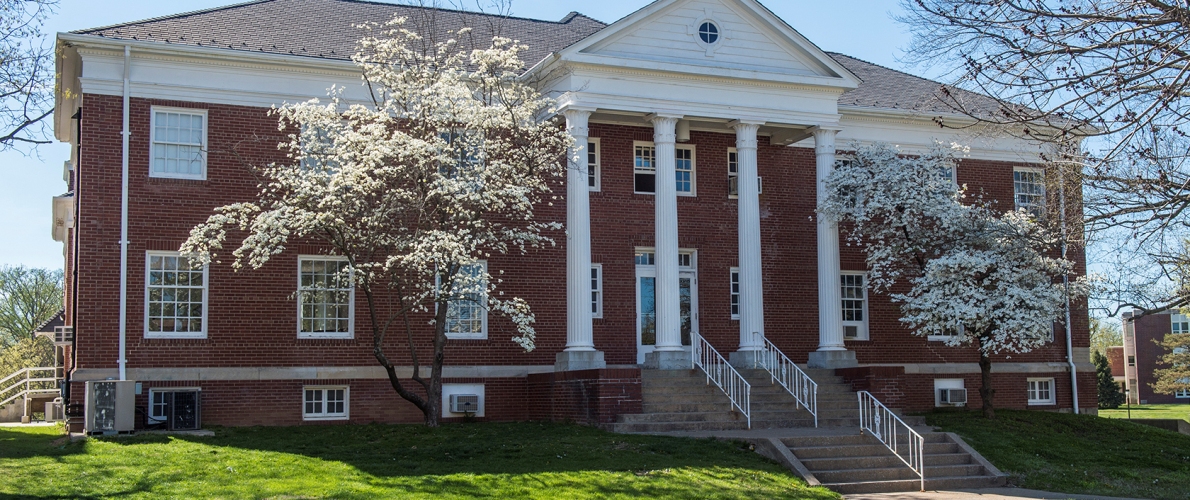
[23, 384]
[703, 355]
[884, 425]
[782, 370]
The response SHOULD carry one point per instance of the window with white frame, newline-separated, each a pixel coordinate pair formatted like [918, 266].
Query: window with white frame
[178, 138]
[175, 297]
[593, 180]
[325, 403]
[1029, 190]
[158, 405]
[735, 293]
[854, 293]
[1041, 391]
[1179, 323]
[644, 167]
[950, 334]
[467, 311]
[684, 168]
[597, 290]
[1182, 393]
[647, 257]
[326, 297]
[733, 173]
[317, 149]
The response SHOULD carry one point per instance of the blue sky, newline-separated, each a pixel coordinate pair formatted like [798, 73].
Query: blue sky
[860, 28]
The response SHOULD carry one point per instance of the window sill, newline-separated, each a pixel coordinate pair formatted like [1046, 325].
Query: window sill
[467, 337]
[1042, 403]
[308, 418]
[938, 338]
[156, 336]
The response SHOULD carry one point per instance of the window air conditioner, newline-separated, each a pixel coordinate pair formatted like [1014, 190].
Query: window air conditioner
[955, 397]
[63, 334]
[111, 406]
[464, 403]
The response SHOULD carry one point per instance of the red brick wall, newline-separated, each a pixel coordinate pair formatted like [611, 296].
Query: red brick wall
[1115, 360]
[592, 397]
[915, 391]
[1150, 330]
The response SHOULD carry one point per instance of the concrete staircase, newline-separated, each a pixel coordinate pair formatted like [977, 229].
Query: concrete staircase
[681, 400]
[855, 463]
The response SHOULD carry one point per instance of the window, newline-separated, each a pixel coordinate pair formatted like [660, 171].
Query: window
[1029, 189]
[593, 164]
[645, 167]
[1182, 393]
[1179, 323]
[647, 257]
[685, 170]
[644, 258]
[317, 149]
[733, 173]
[465, 157]
[735, 293]
[1041, 391]
[708, 32]
[467, 312]
[175, 407]
[855, 306]
[326, 297]
[1131, 360]
[175, 297]
[179, 139]
[950, 334]
[597, 290]
[325, 403]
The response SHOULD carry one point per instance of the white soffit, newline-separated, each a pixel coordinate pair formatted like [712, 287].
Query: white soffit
[753, 44]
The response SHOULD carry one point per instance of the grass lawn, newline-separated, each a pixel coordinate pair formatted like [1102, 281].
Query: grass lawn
[523, 460]
[1150, 411]
[1078, 453]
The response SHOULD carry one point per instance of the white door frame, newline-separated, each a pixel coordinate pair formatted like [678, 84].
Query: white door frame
[649, 271]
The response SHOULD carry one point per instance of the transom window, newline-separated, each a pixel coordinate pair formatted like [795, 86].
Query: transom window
[1041, 391]
[735, 293]
[1029, 189]
[1179, 323]
[175, 297]
[855, 305]
[593, 164]
[647, 257]
[178, 138]
[325, 297]
[467, 312]
[597, 290]
[325, 403]
[708, 32]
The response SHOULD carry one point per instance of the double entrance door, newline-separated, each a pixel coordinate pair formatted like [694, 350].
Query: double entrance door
[646, 308]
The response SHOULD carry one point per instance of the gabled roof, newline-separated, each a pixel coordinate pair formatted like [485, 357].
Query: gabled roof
[48, 327]
[885, 88]
[329, 28]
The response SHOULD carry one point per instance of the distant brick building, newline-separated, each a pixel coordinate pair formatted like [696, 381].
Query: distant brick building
[1142, 355]
[718, 94]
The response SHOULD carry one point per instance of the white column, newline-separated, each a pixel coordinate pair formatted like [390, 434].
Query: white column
[580, 353]
[751, 281]
[669, 320]
[831, 351]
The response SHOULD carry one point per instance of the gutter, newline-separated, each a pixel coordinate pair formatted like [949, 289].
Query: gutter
[123, 361]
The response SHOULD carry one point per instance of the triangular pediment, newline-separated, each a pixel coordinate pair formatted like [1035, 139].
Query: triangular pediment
[747, 40]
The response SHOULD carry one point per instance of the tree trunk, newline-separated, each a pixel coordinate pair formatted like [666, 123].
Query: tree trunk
[986, 392]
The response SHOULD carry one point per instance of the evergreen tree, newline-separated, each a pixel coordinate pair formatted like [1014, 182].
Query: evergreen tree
[1109, 391]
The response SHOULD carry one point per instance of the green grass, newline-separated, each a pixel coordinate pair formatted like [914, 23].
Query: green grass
[525, 460]
[1150, 411]
[1078, 453]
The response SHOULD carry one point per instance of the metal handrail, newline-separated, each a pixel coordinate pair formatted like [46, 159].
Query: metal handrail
[703, 355]
[885, 426]
[783, 370]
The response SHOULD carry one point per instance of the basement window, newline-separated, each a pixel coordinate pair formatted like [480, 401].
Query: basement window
[1041, 391]
[325, 403]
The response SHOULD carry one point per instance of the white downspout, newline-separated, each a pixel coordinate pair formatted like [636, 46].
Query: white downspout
[1066, 284]
[123, 361]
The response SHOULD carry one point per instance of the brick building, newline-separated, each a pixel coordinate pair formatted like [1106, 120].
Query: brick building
[746, 113]
[1142, 355]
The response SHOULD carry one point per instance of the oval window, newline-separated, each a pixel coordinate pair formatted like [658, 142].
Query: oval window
[708, 32]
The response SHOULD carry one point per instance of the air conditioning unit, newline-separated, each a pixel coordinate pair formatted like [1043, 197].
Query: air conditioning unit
[178, 410]
[464, 403]
[63, 334]
[957, 397]
[111, 407]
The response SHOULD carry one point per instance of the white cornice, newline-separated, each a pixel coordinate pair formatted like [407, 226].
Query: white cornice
[210, 55]
[694, 77]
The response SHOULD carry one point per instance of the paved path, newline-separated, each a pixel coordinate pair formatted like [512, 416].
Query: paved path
[983, 494]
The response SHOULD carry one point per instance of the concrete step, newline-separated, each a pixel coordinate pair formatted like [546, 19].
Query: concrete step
[808, 421]
[831, 440]
[642, 427]
[932, 484]
[895, 473]
[885, 460]
[817, 452]
[718, 416]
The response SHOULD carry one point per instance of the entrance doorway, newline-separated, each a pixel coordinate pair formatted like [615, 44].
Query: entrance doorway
[646, 300]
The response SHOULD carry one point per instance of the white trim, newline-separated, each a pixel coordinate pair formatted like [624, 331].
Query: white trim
[350, 301]
[598, 166]
[862, 326]
[733, 284]
[635, 171]
[324, 415]
[597, 292]
[733, 176]
[1016, 199]
[206, 286]
[204, 147]
[483, 334]
[1036, 401]
[693, 169]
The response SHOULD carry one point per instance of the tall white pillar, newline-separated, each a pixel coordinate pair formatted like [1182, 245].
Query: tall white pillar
[580, 353]
[751, 281]
[669, 353]
[831, 353]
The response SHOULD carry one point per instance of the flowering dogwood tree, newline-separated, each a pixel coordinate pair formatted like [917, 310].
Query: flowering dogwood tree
[441, 169]
[973, 275]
